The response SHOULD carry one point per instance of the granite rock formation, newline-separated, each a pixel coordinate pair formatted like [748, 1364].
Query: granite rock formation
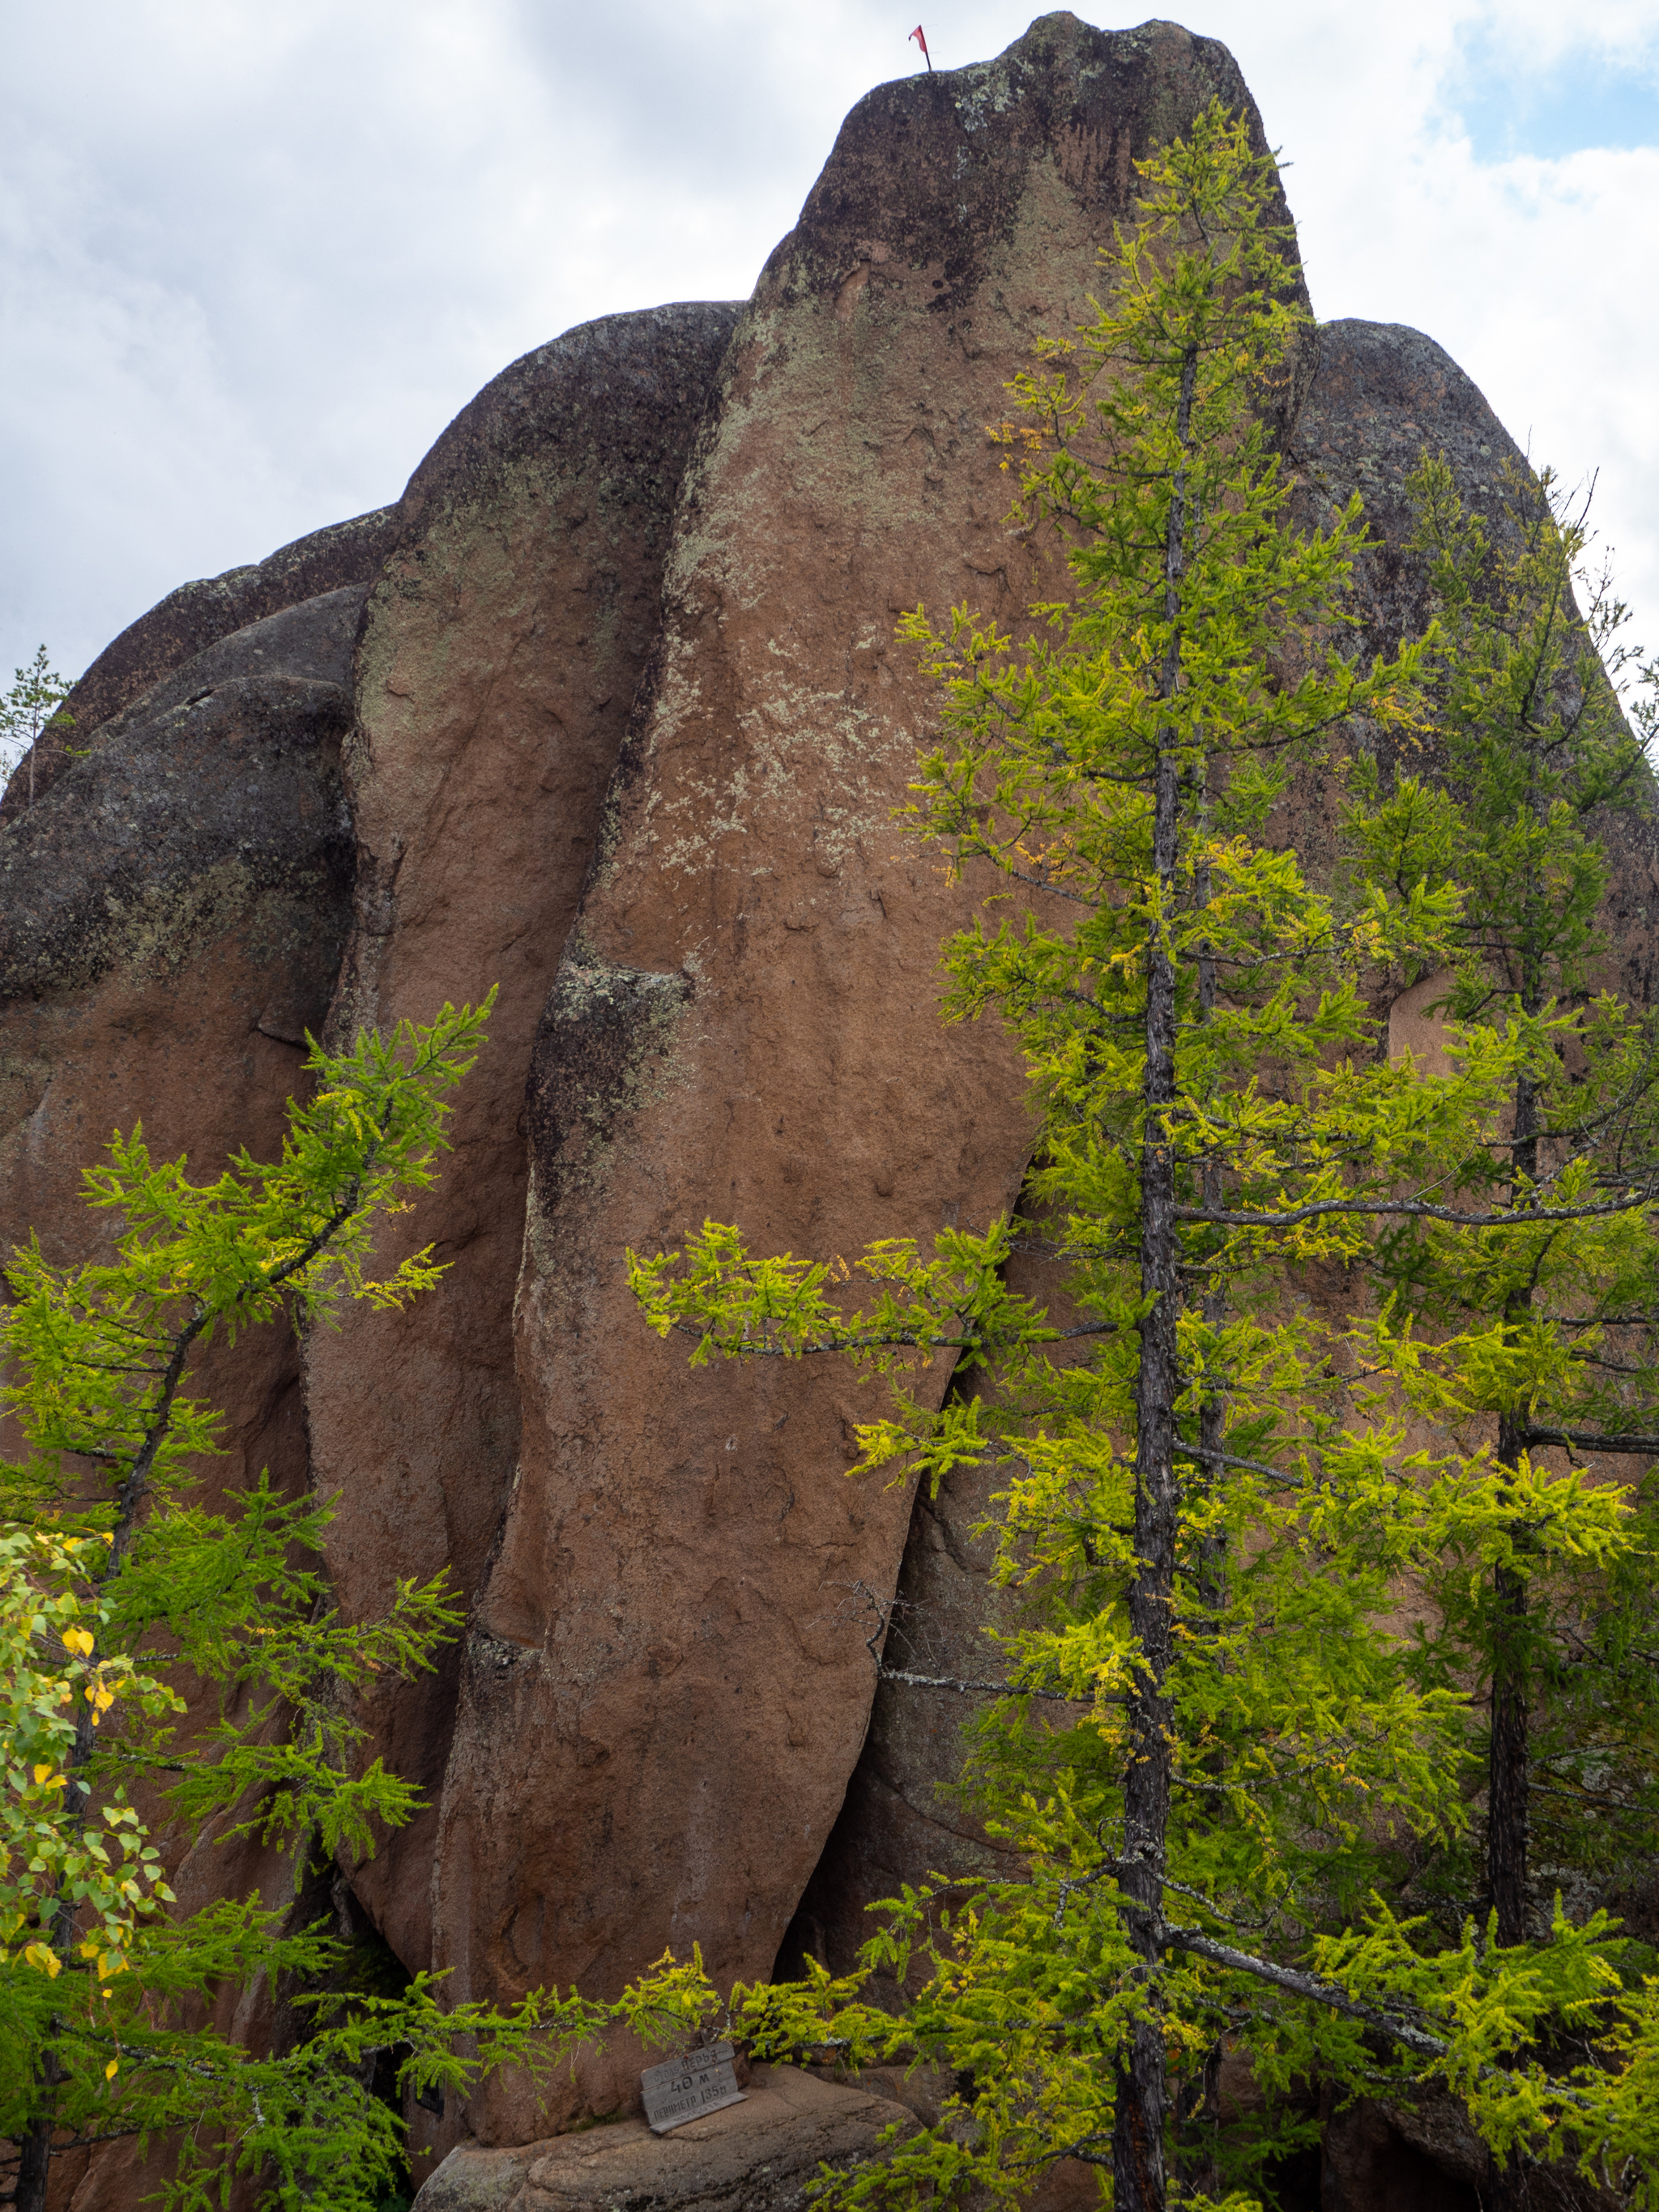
[606, 710]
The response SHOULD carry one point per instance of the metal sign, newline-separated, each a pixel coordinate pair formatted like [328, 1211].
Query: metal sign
[686, 2088]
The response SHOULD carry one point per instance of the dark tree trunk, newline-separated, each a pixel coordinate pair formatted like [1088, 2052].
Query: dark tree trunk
[1507, 1816]
[1138, 2161]
[34, 2148]
[1138, 2134]
[1507, 1774]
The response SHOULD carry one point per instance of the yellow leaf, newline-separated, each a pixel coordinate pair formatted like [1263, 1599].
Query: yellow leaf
[112, 2069]
[77, 1640]
[42, 1775]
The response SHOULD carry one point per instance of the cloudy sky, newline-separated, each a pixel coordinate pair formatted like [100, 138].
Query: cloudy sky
[253, 259]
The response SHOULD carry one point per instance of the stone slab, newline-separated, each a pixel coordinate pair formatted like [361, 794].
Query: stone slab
[759, 2156]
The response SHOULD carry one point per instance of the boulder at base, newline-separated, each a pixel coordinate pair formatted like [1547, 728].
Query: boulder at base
[763, 2155]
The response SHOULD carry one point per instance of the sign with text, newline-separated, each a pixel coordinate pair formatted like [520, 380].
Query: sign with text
[686, 2088]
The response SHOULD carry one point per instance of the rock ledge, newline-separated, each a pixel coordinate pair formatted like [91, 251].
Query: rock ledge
[758, 2156]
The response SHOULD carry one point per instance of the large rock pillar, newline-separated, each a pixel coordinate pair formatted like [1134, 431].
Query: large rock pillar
[666, 1689]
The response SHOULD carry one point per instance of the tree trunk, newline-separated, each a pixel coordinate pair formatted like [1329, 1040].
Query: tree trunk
[1507, 1777]
[1138, 2132]
[34, 2147]
[1506, 1801]
[1138, 2170]
[1506, 1771]
[1507, 1818]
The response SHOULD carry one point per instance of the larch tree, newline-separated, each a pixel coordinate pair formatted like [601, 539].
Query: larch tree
[1219, 1745]
[121, 1579]
[1532, 1337]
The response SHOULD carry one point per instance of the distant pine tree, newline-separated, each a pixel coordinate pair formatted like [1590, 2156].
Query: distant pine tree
[34, 703]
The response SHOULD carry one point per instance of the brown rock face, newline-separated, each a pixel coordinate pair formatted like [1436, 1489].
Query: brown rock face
[662, 1705]
[1370, 2166]
[501, 650]
[197, 616]
[904, 1817]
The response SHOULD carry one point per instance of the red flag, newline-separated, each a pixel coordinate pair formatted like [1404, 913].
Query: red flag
[917, 35]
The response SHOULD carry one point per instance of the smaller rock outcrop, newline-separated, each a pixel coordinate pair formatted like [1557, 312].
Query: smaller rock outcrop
[1381, 396]
[172, 911]
[193, 618]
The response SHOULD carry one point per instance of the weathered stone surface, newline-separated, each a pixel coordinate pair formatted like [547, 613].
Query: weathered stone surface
[197, 616]
[208, 808]
[312, 642]
[662, 1704]
[1368, 2166]
[760, 2156]
[500, 654]
[1427, 2158]
[905, 1818]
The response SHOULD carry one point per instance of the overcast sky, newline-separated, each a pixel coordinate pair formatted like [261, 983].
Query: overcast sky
[252, 259]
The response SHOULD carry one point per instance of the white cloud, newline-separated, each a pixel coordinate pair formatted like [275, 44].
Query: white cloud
[1535, 274]
[251, 259]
